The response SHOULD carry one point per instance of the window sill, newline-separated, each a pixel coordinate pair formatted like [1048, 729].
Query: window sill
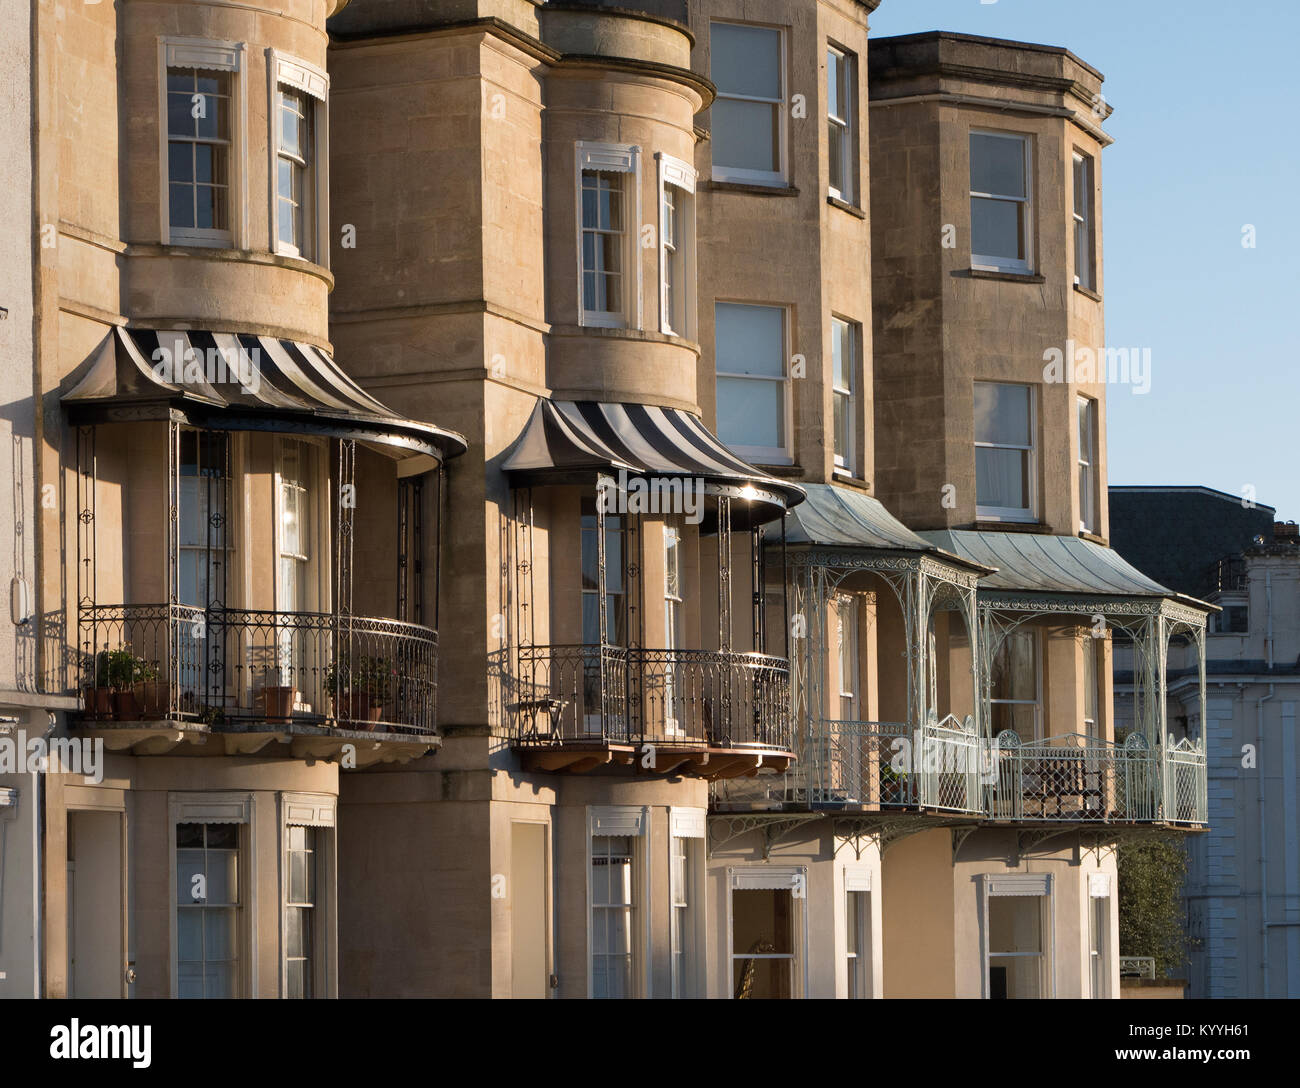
[1005, 277]
[1087, 292]
[845, 206]
[747, 187]
[1092, 537]
[787, 469]
[984, 526]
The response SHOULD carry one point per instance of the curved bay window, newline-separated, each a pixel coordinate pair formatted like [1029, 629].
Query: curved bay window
[252, 542]
[649, 644]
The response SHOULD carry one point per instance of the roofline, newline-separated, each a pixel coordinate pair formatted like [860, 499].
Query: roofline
[1190, 489]
[979, 39]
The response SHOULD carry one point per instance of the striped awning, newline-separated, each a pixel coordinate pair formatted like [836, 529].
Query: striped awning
[569, 441]
[238, 381]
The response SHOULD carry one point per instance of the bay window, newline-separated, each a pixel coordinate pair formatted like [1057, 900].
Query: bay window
[1085, 238]
[676, 247]
[841, 105]
[753, 388]
[607, 216]
[747, 65]
[209, 909]
[298, 148]
[1018, 934]
[1087, 417]
[1015, 686]
[844, 368]
[616, 894]
[1000, 211]
[1006, 468]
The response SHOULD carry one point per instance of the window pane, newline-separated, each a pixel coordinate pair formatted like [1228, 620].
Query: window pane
[180, 161]
[843, 423]
[218, 934]
[833, 62]
[210, 208]
[180, 118]
[1015, 669]
[750, 339]
[997, 165]
[180, 206]
[746, 135]
[1002, 414]
[1081, 186]
[751, 413]
[1015, 924]
[763, 921]
[1002, 478]
[996, 229]
[745, 60]
[835, 151]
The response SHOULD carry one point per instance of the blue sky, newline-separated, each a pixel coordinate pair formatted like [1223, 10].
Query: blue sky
[1207, 141]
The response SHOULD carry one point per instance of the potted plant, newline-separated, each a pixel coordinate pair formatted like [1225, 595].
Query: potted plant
[98, 696]
[359, 691]
[123, 671]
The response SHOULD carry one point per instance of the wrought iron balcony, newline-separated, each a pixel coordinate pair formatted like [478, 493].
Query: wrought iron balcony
[704, 711]
[238, 669]
[1084, 779]
[945, 767]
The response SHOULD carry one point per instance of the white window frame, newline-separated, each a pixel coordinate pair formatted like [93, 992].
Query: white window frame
[778, 178]
[218, 808]
[1092, 649]
[1007, 264]
[763, 455]
[1012, 513]
[1036, 639]
[1084, 218]
[859, 965]
[676, 174]
[1099, 939]
[771, 878]
[847, 612]
[689, 826]
[846, 463]
[209, 56]
[318, 811]
[845, 122]
[630, 821]
[674, 608]
[1033, 885]
[612, 159]
[1087, 464]
[298, 75]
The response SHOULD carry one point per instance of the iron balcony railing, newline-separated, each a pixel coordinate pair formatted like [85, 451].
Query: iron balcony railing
[231, 666]
[887, 765]
[678, 698]
[1081, 778]
[945, 766]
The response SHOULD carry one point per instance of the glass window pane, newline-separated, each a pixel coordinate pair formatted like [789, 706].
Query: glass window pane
[996, 229]
[833, 83]
[180, 206]
[746, 135]
[180, 161]
[1002, 414]
[1001, 478]
[751, 413]
[180, 119]
[997, 165]
[218, 934]
[189, 934]
[745, 60]
[750, 339]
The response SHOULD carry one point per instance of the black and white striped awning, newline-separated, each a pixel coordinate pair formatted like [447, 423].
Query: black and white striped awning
[238, 381]
[569, 441]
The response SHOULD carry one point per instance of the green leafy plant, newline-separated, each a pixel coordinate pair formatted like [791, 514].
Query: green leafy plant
[120, 669]
[1151, 914]
[366, 674]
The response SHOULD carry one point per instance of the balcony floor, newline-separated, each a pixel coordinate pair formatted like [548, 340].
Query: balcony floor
[303, 740]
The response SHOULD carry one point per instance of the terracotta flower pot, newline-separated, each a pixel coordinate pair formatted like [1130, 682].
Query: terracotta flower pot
[154, 699]
[125, 706]
[98, 702]
[357, 710]
[277, 703]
